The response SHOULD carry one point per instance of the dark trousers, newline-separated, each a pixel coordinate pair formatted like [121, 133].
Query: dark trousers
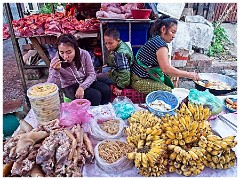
[98, 93]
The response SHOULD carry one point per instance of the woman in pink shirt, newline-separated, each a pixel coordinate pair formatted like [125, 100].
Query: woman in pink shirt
[72, 70]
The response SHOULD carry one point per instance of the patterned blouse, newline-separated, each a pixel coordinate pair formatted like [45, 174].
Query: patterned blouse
[147, 55]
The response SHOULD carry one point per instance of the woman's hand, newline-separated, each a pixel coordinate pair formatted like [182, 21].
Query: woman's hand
[56, 65]
[117, 91]
[79, 93]
[194, 76]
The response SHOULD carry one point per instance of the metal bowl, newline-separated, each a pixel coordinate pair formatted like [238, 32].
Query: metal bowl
[217, 77]
[228, 108]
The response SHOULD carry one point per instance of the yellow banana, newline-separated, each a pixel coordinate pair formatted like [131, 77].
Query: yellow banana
[149, 137]
[196, 171]
[156, 132]
[140, 144]
[231, 143]
[187, 173]
[175, 122]
[219, 166]
[194, 125]
[176, 129]
[177, 165]
[144, 160]
[188, 139]
[178, 171]
[185, 134]
[170, 135]
[181, 142]
[179, 135]
[169, 141]
[229, 138]
[131, 155]
[137, 160]
[182, 127]
[191, 108]
[151, 160]
[175, 142]
[143, 135]
[182, 121]
[196, 114]
[169, 129]
[222, 160]
[192, 133]
[149, 131]
[215, 152]
[171, 169]
[215, 159]
[193, 154]
[213, 138]
[200, 166]
[173, 156]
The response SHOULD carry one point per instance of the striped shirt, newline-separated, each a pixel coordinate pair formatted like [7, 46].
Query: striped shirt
[147, 55]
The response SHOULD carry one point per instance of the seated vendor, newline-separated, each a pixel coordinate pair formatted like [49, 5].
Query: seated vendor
[119, 61]
[155, 54]
[73, 69]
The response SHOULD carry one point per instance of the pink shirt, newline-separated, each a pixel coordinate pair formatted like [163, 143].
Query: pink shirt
[67, 76]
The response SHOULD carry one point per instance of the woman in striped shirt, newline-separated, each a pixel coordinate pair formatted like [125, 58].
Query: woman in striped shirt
[155, 54]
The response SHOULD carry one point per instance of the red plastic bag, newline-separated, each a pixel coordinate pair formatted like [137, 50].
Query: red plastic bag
[75, 112]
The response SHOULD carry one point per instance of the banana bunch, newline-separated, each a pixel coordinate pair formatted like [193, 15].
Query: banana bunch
[216, 145]
[144, 133]
[144, 128]
[145, 156]
[219, 151]
[145, 118]
[157, 170]
[225, 160]
[198, 112]
[182, 128]
[186, 162]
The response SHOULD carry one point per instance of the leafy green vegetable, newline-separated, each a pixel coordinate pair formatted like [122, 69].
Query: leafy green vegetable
[219, 39]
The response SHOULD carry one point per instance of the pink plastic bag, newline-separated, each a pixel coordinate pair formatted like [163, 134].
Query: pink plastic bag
[75, 112]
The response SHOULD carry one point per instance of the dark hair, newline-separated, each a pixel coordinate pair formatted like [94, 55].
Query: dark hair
[112, 32]
[162, 21]
[70, 40]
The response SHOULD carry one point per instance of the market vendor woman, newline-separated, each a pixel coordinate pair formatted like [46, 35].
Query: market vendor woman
[155, 54]
[72, 67]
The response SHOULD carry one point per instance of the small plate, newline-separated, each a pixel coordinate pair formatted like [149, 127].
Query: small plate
[228, 108]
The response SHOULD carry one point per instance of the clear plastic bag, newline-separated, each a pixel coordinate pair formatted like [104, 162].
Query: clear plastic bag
[75, 112]
[120, 165]
[100, 134]
[103, 112]
[206, 99]
[123, 107]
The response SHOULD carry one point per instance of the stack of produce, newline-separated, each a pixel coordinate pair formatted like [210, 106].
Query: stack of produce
[110, 155]
[187, 126]
[45, 101]
[183, 143]
[219, 153]
[47, 150]
[150, 154]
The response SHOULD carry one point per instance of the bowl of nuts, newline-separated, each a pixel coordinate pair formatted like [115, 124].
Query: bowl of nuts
[230, 104]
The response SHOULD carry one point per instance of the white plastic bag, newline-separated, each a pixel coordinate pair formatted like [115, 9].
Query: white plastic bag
[103, 112]
[100, 134]
[120, 165]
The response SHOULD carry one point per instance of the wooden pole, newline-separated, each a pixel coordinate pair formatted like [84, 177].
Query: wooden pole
[16, 47]
[53, 10]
